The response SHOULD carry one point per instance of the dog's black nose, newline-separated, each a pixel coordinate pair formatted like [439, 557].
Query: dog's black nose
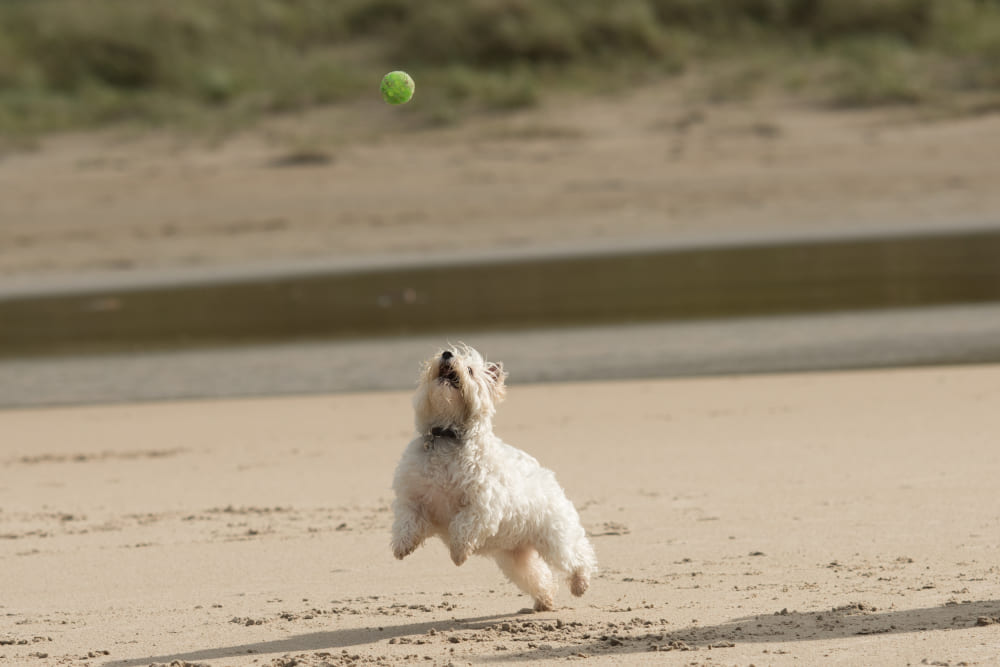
[446, 355]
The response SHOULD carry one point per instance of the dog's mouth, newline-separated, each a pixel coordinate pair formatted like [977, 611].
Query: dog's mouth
[447, 373]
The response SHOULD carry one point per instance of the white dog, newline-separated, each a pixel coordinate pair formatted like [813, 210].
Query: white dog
[459, 481]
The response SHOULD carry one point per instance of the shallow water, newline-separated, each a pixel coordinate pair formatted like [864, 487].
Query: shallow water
[440, 297]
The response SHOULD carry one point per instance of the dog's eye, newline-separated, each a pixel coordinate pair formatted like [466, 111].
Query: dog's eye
[470, 371]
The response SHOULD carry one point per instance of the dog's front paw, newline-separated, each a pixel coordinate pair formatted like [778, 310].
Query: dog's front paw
[460, 553]
[403, 548]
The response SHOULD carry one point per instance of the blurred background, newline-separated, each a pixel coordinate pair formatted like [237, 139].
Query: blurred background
[204, 198]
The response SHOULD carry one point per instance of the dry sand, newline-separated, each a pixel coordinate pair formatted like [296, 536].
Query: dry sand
[835, 519]
[652, 165]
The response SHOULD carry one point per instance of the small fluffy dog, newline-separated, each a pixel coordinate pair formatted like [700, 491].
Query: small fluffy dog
[459, 481]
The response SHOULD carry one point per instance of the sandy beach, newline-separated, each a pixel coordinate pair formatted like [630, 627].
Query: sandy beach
[836, 519]
[356, 181]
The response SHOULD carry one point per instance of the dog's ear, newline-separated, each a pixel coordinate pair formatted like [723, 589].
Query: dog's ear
[496, 374]
[495, 370]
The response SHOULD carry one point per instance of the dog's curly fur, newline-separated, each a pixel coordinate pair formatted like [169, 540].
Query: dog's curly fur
[459, 481]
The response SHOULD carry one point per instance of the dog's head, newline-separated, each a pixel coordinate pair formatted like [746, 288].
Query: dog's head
[459, 389]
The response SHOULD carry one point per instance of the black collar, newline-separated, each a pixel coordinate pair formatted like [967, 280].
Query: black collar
[440, 433]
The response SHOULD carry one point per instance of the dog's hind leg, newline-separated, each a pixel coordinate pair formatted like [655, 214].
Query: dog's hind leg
[575, 556]
[579, 582]
[529, 572]
[584, 565]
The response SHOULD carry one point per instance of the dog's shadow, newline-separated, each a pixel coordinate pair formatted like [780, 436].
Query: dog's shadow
[784, 627]
[781, 628]
[321, 641]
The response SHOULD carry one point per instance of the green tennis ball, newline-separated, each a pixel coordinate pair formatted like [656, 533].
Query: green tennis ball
[397, 87]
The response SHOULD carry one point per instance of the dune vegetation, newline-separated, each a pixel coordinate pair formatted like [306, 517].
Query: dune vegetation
[66, 64]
